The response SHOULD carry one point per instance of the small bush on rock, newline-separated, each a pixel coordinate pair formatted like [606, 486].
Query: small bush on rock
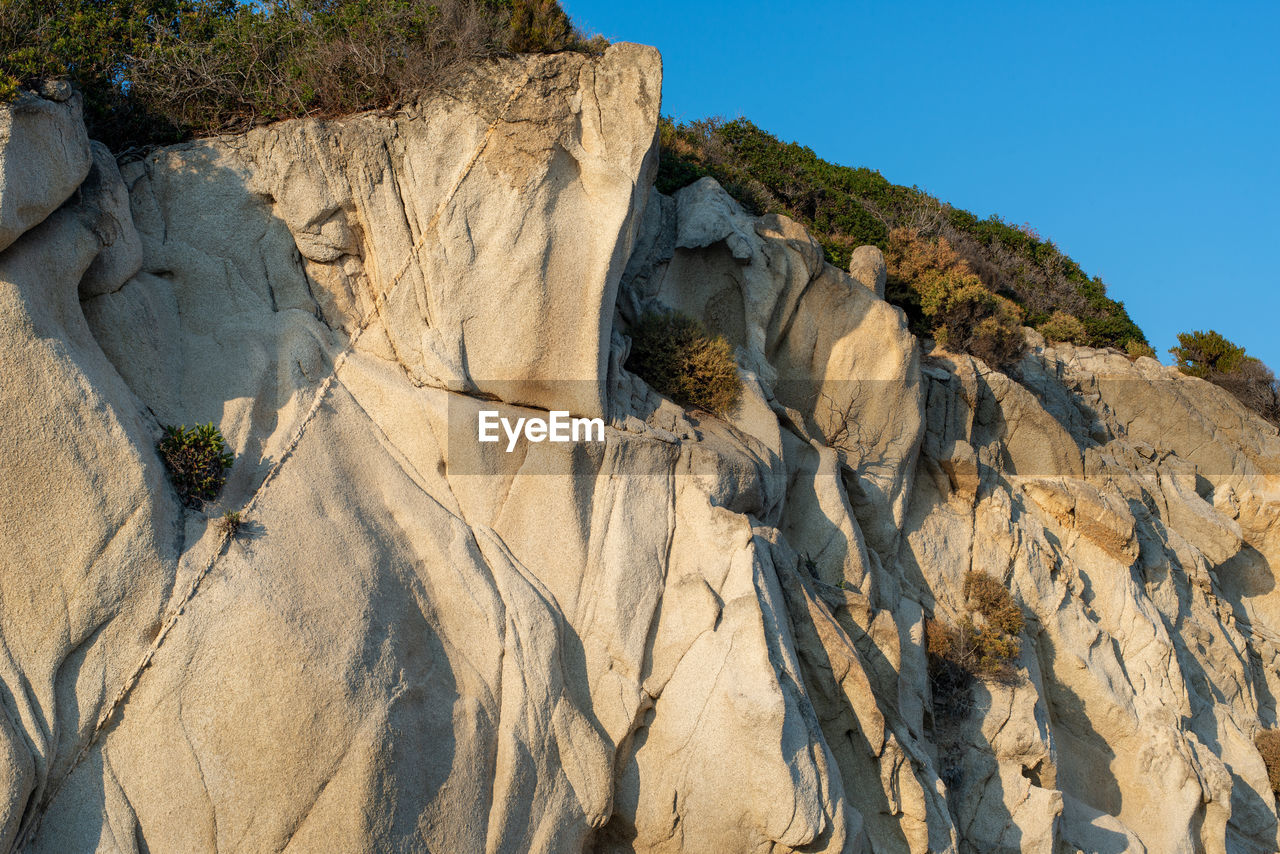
[950, 678]
[1136, 349]
[984, 644]
[1268, 743]
[1064, 328]
[230, 524]
[994, 602]
[946, 299]
[197, 460]
[676, 355]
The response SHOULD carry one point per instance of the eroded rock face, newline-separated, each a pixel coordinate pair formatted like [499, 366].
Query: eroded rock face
[46, 156]
[90, 534]
[698, 635]
[868, 267]
[822, 345]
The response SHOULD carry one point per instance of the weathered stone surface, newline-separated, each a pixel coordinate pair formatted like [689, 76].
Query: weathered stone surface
[90, 537]
[1124, 693]
[820, 344]
[701, 634]
[423, 212]
[867, 266]
[44, 155]
[121, 256]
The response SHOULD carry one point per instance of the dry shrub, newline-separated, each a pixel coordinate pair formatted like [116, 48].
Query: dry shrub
[1064, 327]
[950, 679]
[1255, 386]
[910, 256]
[993, 601]
[985, 648]
[984, 325]
[1268, 743]
[1136, 349]
[230, 524]
[676, 355]
[950, 301]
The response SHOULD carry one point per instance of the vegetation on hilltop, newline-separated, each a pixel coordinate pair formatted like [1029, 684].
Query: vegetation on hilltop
[1212, 357]
[158, 71]
[155, 71]
[846, 207]
[944, 298]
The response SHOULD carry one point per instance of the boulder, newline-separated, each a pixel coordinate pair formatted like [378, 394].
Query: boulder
[121, 255]
[44, 151]
[867, 266]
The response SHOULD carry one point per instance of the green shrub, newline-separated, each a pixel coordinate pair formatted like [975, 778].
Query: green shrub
[1268, 743]
[676, 355]
[1203, 353]
[197, 460]
[161, 70]
[1212, 357]
[1063, 327]
[846, 207]
[541, 26]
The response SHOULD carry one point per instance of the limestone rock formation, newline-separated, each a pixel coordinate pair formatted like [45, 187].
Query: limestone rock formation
[700, 634]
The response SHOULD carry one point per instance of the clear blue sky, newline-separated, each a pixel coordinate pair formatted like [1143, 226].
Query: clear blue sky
[1143, 138]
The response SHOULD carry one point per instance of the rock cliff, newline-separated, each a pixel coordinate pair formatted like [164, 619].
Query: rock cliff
[699, 634]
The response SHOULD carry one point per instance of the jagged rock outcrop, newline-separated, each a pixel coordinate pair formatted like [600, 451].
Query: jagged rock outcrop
[698, 634]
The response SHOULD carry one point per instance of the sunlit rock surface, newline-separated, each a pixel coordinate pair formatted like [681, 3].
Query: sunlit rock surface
[700, 634]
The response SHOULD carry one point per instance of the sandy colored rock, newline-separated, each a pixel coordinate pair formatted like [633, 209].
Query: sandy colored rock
[820, 344]
[44, 150]
[92, 536]
[700, 634]
[867, 266]
[121, 256]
